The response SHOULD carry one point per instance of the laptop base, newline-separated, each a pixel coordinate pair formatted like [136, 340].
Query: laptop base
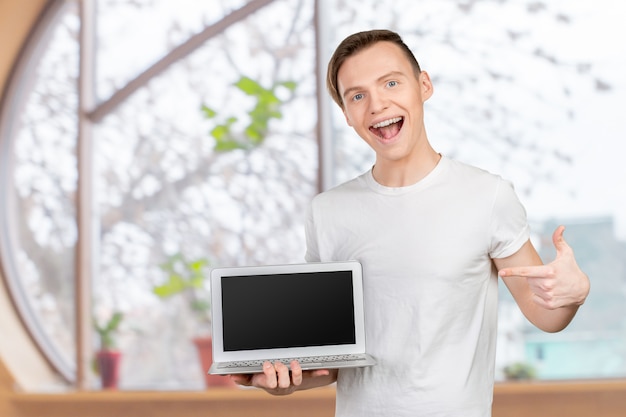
[307, 364]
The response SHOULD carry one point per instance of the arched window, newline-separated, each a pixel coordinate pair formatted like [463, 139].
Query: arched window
[196, 131]
[195, 155]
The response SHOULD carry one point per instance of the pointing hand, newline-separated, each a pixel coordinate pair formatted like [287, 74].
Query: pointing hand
[558, 284]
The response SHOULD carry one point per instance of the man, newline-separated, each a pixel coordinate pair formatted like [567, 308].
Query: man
[432, 234]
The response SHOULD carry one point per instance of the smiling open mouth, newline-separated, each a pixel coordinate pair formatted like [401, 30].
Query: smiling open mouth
[387, 128]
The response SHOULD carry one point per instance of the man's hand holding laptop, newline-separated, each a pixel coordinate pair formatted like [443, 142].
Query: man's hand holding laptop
[279, 379]
[299, 350]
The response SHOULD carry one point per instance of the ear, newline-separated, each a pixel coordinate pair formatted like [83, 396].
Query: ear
[426, 86]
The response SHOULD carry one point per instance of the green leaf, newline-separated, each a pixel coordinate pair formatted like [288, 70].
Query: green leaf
[222, 132]
[219, 132]
[209, 113]
[268, 100]
[290, 85]
[253, 134]
[249, 86]
[267, 107]
[107, 330]
[197, 265]
[227, 145]
[173, 285]
[115, 321]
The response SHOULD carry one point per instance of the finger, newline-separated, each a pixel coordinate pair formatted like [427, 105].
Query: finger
[558, 240]
[296, 373]
[241, 379]
[284, 379]
[557, 235]
[526, 271]
[270, 375]
[320, 372]
[563, 250]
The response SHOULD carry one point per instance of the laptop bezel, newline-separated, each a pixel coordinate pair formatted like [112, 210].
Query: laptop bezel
[219, 355]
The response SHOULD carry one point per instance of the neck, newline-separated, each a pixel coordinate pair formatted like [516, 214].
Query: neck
[402, 173]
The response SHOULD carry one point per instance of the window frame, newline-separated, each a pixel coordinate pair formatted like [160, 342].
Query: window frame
[13, 101]
[89, 113]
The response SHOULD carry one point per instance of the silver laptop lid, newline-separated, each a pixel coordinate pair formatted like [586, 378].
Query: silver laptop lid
[281, 311]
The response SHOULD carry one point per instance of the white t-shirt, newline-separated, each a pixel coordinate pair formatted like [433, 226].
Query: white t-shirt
[430, 286]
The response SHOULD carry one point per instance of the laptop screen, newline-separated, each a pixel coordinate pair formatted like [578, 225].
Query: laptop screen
[287, 310]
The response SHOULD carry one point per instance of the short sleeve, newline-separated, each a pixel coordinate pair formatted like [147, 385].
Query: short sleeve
[509, 223]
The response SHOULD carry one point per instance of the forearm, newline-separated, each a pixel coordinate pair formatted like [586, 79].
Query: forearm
[551, 321]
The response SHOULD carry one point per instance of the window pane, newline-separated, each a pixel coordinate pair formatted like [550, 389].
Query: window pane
[169, 184]
[594, 344]
[39, 227]
[531, 92]
[132, 35]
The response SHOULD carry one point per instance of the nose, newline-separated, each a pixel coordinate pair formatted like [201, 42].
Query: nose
[378, 102]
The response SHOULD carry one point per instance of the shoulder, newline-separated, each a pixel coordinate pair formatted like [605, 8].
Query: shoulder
[472, 178]
[471, 172]
[345, 190]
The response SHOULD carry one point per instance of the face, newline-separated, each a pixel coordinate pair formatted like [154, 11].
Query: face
[384, 101]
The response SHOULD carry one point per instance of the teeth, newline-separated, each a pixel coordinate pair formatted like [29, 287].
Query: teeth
[387, 122]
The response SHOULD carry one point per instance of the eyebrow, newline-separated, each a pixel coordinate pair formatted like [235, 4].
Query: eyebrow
[390, 74]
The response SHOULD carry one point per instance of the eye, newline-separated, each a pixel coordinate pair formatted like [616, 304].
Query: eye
[357, 97]
[392, 83]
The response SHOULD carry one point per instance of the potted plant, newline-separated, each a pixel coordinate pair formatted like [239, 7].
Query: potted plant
[187, 278]
[519, 371]
[107, 357]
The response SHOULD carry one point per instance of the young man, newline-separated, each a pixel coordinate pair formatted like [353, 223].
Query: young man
[432, 235]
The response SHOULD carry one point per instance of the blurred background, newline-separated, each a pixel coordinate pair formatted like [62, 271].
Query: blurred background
[179, 136]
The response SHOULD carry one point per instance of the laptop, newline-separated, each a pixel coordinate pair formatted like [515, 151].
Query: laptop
[311, 312]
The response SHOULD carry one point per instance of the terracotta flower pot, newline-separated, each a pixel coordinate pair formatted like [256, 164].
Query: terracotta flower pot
[109, 367]
[205, 353]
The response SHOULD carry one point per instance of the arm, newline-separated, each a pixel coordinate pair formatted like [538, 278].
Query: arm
[548, 295]
[278, 380]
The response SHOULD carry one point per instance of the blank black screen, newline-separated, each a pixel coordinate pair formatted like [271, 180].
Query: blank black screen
[287, 310]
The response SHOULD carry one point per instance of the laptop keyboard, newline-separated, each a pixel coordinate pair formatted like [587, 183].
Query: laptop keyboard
[304, 360]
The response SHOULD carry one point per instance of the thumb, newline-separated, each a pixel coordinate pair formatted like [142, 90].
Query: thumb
[559, 241]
